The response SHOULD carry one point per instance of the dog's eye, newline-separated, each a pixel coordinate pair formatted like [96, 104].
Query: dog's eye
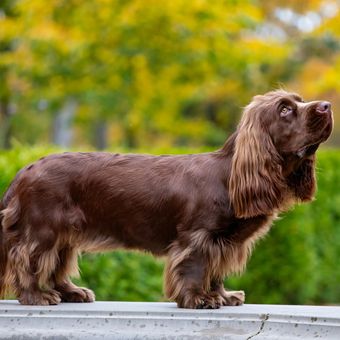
[285, 111]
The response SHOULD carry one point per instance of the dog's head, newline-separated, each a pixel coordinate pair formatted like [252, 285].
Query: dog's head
[294, 126]
[276, 129]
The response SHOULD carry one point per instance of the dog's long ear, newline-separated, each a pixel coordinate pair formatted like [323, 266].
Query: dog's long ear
[256, 183]
[302, 181]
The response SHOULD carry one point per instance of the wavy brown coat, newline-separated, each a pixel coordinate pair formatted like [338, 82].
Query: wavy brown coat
[203, 211]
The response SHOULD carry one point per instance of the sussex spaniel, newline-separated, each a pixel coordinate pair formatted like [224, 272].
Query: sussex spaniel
[203, 211]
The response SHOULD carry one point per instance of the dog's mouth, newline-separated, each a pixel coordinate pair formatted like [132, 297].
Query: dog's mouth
[320, 122]
[311, 147]
[320, 128]
[307, 150]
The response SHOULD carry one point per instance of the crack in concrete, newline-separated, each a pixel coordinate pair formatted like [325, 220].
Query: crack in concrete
[264, 318]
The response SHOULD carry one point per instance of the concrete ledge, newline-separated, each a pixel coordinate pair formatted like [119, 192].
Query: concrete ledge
[140, 320]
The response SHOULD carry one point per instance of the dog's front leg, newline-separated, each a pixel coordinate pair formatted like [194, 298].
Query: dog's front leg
[187, 279]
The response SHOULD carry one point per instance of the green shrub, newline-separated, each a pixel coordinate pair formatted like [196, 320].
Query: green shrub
[13, 160]
[295, 264]
[123, 275]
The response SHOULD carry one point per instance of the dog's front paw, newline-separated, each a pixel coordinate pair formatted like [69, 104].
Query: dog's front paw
[233, 298]
[78, 295]
[200, 301]
[41, 298]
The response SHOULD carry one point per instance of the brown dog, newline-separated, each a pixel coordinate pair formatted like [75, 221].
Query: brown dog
[204, 211]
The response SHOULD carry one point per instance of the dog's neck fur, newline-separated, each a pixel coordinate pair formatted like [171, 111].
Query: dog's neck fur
[297, 171]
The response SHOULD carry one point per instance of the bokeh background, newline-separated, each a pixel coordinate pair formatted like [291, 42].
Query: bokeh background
[172, 77]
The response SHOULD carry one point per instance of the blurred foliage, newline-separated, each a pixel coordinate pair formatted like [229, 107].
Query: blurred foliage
[171, 73]
[296, 263]
[123, 276]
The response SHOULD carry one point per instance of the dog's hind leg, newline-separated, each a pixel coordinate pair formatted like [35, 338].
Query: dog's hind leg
[32, 255]
[31, 267]
[68, 266]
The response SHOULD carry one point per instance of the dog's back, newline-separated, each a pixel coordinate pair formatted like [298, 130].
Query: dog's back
[73, 202]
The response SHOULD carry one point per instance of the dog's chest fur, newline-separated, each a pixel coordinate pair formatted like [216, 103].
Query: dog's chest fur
[228, 246]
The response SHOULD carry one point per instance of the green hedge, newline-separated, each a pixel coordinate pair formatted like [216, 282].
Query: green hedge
[297, 263]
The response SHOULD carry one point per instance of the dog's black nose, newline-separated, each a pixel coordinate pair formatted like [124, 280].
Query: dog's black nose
[323, 107]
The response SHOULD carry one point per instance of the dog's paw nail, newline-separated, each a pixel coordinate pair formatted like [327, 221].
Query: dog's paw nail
[200, 305]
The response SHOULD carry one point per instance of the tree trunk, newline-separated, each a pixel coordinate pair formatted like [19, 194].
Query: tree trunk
[62, 126]
[5, 132]
[100, 137]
